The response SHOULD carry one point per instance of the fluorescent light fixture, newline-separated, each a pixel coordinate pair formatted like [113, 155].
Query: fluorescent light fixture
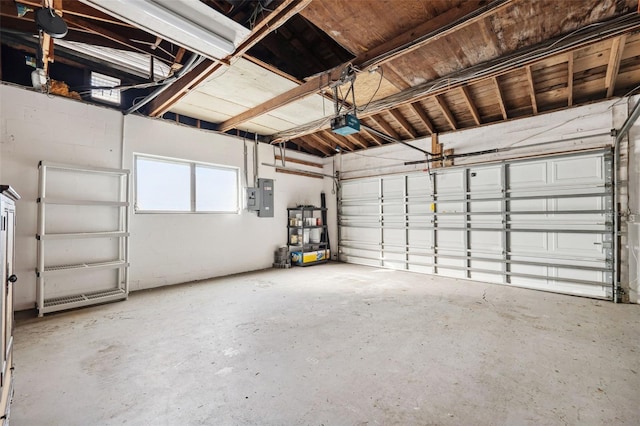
[187, 23]
[130, 62]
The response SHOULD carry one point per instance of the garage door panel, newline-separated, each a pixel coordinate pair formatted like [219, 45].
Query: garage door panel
[394, 236]
[360, 188]
[577, 170]
[487, 240]
[477, 205]
[507, 216]
[589, 245]
[529, 242]
[420, 239]
[363, 235]
[485, 179]
[450, 239]
[452, 181]
[527, 175]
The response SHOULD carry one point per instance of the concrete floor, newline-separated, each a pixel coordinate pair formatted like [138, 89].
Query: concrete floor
[334, 344]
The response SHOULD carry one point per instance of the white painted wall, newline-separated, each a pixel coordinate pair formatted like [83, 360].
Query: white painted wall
[165, 248]
[35, 127]
[174, 248]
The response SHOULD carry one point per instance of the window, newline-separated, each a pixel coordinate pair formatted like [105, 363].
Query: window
[172, 185]
[108, 95]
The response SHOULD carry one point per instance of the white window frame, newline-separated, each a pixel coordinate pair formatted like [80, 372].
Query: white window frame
[98, 94]
[192, 184]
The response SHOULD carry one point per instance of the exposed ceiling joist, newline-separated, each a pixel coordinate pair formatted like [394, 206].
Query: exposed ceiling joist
[500, 96]
[312, 141]
[617, 47]
[532, 89]
[331, 147]
[386, 127]
[472, 107]
[446, 112]
[404, 124]
[452, 20]
[570, 79]
[422, 115]
[487, 70]
[358, 140]
[376, 140]
[180, 88]
[344, 143]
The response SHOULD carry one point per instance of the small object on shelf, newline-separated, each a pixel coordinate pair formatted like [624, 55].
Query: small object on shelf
[305, 235]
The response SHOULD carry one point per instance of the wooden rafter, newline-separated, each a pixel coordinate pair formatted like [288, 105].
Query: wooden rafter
[358, 140]
[322, 142]
[496, 83]
[180, 88]
[344, 143]
[375, 138]
[402, 121]
[394, 77]
[178, 59]
[617, 47]
[427, 32]
[446, 111]
[532, 89]
[386, 127]
[422, 115]
[612, 27]
[570, 79]
[312, 141]
[472, 107]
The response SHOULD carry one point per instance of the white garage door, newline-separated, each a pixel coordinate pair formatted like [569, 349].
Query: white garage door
[544, 223]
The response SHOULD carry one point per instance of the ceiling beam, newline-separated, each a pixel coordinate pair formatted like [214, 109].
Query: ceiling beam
[485, 71]
[386, 127]
[532, 89]
[393, 76]
[375, 138]
[181, 87]
[402, 121]
[452, 20]
[312, 141]
[500, 97]
[617, 47]
[343, 142]
[304, 145]
[322, 142]
[358, 140]
[570, 79]
[440, 26]
[472, 107]
[422, 115]
[446, 112]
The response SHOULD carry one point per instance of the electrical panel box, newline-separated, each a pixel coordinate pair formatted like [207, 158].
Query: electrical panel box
[260, 199]
[265, 189]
